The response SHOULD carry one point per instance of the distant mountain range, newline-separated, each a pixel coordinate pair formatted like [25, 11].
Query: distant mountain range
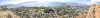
[31, 4]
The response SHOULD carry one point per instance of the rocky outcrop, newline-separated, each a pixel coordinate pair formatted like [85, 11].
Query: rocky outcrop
[94, 11]
[97, 11]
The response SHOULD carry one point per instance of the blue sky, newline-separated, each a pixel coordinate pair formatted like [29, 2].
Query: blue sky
[88, 2]
[3, 2]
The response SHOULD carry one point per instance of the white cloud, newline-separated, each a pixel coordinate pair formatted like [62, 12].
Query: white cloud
[90, 3]
[21, 1]
[93, 2]
[46, 0]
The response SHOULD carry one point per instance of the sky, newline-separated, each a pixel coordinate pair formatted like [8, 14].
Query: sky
[88, 2]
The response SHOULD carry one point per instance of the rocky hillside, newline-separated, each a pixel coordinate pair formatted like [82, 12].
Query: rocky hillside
[94, 11]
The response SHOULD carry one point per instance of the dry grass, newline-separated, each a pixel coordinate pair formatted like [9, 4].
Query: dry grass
[7, 14]
[81, 15]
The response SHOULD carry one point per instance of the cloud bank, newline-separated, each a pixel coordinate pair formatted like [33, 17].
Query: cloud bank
[94, 2]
